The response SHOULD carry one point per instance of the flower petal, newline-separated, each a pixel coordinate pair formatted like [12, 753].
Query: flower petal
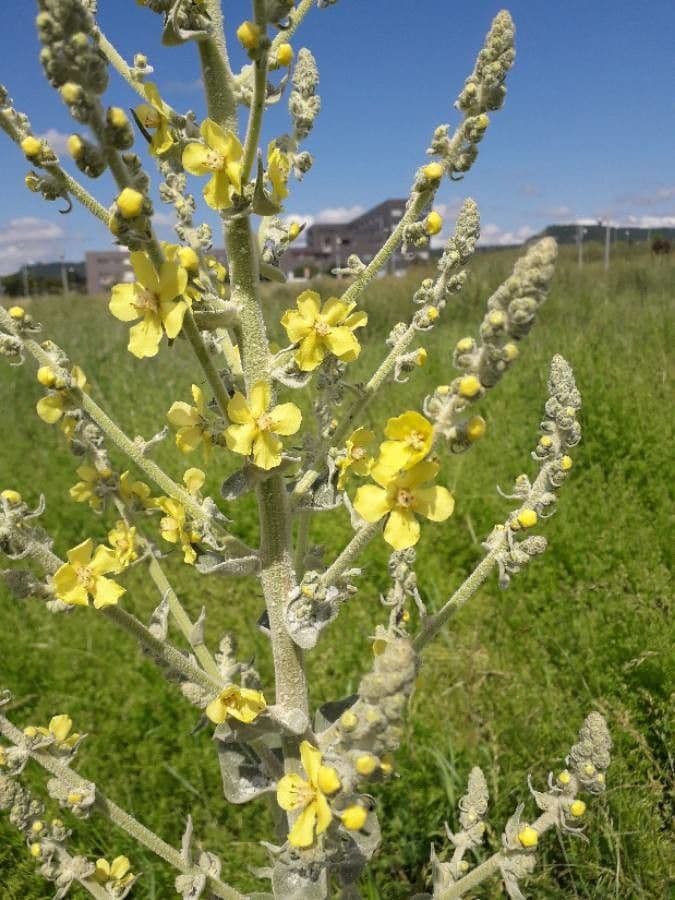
[267, 450]
[182, 415]
[198, 397]
[50, 408]
[104, 561]
[106, 592]
[342, 343]
[218, 191]
[323, 814]
[436, 503]
[172, 281]
[335, 311]
[400, 427]
[240, 438]
[194, 158]
[68, 587]
[80, 555]
[356, 320]
[238, 410]
[60, 726]
[310, 353]
[421, 472]
[119, 868]
[172, 313]
[402, 529]
[291, 792]
[296, 325]
[310, 757]
[144, 338]
[302, 832]
[261, 395]
[145, 272]
[286, 418]
[372, 502]
[188, 439]
[122, 300]
[309, 305]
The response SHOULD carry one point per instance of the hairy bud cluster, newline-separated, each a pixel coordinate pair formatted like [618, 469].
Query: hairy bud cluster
[304, 103]
[71, 60]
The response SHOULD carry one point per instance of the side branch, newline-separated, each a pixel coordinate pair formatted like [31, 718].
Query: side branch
[115, 813]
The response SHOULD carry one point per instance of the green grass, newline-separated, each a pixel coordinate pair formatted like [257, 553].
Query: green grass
[585, 627]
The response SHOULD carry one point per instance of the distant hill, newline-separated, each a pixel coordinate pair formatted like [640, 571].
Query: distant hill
[567, 234]
[44, 278]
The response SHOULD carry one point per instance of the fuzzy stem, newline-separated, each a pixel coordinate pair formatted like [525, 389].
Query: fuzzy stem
[181, 617]
[433, 624]
[73, 186]
[192, 333]
[119, 64]
[295, 16]
[257, 109]
[418, 202]
[304, 517]
[215, 65]
[353, 549]
[115, 813]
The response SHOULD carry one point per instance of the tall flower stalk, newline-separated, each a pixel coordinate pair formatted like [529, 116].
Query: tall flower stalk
[315, 767]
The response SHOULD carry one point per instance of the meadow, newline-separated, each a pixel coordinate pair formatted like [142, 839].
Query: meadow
[506, 686]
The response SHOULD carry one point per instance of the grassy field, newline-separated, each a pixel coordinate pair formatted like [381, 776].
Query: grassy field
[585, 627]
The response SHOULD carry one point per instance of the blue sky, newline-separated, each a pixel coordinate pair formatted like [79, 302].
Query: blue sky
[587, 129]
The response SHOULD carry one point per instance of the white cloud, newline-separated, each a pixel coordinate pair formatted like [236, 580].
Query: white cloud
[648, 221]
[336, 215]
[57, 140]
[161, 219]
[28, 240]
[493, 236]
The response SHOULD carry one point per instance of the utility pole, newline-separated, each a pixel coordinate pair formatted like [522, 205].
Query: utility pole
[581, 231]
[64, 277]
[25, 279]
[608, 237]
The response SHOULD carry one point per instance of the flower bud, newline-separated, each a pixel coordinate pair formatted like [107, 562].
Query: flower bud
[248, 35]
[528, 837]
[31, 146]
[130, 203]
[577, 809]
[527, 518]
[366, 764]
[475, 428]
[46, 376]
[284, 55]
[469, 386]
[433, 171]
[433, 222]
[354, 817]
[188, 259]
[12, 497]
[17, 312]
[71, 92]
[348, 720]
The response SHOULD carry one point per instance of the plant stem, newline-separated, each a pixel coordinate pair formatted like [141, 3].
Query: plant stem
[180, 616]
[433, 624]
[216, 72]
[115, 813]
[257, 105]
[192, 333]
[304, 517]
[296, 16]
[118, 63]
[356, 546]
[162, 649]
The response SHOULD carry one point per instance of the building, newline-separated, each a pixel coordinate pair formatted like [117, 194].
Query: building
[326, 247]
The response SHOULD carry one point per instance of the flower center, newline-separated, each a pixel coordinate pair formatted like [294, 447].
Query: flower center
[321, 328]
[264, 423]
[214, 160]
[85, 577]
[415, 440]
[405, 498]
[152, 119]
[358, 453]
[146, 299]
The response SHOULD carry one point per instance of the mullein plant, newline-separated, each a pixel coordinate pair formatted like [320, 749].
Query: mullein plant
[315, 767]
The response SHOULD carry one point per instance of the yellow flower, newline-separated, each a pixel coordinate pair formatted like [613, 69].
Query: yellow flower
[234, 702]
[401, 498]
[132, 491]
[357, 457]
[469, 386]
[194, 479]
[156, 298]
[173, 528]
[17, 313]
[528, 837]
[122, 539]
[130, 203]
[118, 872]
[191, 424]
[60, 728]
[12, 497]
[294, 793]
[154, 116]
[278, 170]
[85, 490]
[577, 808]
[410, 438]
[527, 518]
[83, 576]
[52, 407]
[433, 171]
[220, 156]
[319, 330]
[256, 427]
